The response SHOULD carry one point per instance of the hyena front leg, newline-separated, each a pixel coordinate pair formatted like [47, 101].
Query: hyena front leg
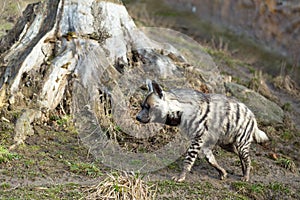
[190, 158]
[213, 162]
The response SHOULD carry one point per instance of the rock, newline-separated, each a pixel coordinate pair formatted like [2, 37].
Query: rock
[266, 111]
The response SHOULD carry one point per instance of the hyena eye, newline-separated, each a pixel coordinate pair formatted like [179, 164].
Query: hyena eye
[146, 106]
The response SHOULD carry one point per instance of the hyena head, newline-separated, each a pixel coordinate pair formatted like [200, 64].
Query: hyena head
[156, 108]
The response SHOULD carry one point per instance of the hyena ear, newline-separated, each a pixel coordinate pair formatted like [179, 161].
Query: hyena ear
[157, 89]
[154, 87]
[149, 85]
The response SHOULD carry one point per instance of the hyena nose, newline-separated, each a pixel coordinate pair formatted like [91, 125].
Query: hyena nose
[138, 118]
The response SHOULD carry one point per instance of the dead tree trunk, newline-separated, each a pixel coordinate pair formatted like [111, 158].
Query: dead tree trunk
[89, 58]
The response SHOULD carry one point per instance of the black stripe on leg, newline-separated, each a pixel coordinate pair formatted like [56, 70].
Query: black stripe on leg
[188, 159]
[192, 153]
[244, 135]
[227, 127]
[206, 113]
[238, 114]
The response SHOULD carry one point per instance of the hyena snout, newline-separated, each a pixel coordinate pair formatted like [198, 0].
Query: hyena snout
[143, 117]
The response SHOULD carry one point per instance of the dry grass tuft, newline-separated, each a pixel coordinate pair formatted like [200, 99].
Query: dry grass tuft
[286, 83]
[140, 12]
[123, 187]
[259, 85]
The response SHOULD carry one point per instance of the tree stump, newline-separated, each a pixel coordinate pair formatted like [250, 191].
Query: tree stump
[89, 59]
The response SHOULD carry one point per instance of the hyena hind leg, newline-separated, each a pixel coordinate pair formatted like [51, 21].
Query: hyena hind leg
[213, 162]
[245, 162]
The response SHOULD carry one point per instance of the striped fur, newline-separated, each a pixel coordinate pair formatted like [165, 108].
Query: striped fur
[209, 119]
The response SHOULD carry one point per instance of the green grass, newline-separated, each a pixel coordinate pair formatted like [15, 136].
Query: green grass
[259, 190]
[60, 120]
[6, 156]
[279, 187]
[64, 191]
[175, 166]
[87, 169]
[168, 187]
[287, 107]
[286, 163]
[5, 186]
[195, 190]
[287, 135]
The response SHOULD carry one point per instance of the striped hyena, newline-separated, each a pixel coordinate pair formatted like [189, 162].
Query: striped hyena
[209, 119]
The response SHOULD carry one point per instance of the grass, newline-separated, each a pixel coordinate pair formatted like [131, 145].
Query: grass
[123, 186]
[259, 190]
[87, 169]
[279, 187]
[194, 190]
[287, 163]
[56, 192]
[287, 135]
[6, 156]
[4, 26]
[175, 166]
[61, 120]
[10, 9]
[5, 186]
[287, 107]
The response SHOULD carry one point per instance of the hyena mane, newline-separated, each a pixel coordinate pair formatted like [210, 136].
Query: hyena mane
[209, 119]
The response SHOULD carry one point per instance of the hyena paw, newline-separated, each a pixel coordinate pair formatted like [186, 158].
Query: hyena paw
[223, 175]
[245, 178]
[179, 178]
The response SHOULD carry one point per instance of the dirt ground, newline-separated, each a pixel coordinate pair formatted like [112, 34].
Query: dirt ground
[54, 164]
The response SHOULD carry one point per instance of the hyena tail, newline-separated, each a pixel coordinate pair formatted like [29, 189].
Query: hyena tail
[260, 136]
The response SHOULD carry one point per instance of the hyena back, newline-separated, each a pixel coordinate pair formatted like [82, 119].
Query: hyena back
[210, 119]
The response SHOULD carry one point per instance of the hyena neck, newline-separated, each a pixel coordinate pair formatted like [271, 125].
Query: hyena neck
[173, 118]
